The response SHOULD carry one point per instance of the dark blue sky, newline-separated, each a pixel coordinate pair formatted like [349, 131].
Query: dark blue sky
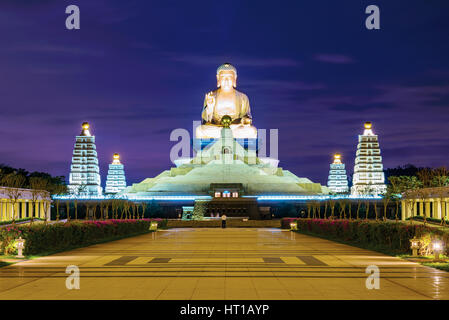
[138, 69]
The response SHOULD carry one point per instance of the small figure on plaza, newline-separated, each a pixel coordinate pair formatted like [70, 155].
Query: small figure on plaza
[223, 221]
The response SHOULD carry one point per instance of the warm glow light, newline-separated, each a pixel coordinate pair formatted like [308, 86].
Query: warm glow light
[116, 158]
[368, 129]
[337, 158]
[153, 226]
[85, 126]
[437, 246]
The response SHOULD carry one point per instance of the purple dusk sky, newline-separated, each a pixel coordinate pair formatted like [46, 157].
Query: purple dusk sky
[136, 70]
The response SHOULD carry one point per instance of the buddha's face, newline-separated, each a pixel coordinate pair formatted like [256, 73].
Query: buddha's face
[226, 80]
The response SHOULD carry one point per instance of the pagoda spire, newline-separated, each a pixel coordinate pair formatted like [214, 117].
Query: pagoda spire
[116, 180]
[369, 178]
[84, 176]
[338, 180]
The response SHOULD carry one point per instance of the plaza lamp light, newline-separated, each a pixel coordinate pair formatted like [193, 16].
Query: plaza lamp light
[414, 245]
[293, 226]
[437, 247]
[20, 245]
[153, 226]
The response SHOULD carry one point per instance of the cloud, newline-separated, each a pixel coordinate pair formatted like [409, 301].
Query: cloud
[207, 60]
[412, 95]
[53, 49]
[286, 85]
[334, 58]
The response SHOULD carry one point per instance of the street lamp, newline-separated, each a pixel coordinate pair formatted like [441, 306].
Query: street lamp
[414, 245]
[153, 226]
[293, 226]
[437, 247]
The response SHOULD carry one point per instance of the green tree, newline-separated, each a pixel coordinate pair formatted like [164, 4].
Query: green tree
[199, 210]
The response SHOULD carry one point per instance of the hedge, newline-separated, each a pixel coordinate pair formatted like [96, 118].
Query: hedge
[20, 220]
[45, 238]
[391, 237]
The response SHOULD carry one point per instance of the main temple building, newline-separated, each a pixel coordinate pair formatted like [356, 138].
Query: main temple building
[226, 167]
[229, 172]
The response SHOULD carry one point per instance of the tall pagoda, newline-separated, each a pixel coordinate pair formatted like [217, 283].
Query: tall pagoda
[116, 181]
[84, 172]
[338, 180]
[368, 178]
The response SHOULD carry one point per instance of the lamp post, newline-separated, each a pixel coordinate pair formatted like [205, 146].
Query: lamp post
[20, 246]
[437, 247]
[414, 245]
[293, 226]
[153, 226]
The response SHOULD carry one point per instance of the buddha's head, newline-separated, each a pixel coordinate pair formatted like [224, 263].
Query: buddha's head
[226, 77]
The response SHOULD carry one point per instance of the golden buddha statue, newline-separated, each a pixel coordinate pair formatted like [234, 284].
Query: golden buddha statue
[226, 101]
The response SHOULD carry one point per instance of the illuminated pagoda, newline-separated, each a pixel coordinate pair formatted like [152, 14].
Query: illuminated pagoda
[84, 172]
[369, 178]
[115, 181]
[338, 180]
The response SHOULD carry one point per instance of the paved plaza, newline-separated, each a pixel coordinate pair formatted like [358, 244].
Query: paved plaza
[213, 263]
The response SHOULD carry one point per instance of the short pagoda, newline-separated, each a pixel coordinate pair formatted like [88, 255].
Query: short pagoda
[368, 178]
[338, 180]
[115, 181]
[85, 177]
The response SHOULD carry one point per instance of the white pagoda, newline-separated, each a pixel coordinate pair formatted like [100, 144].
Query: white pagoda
[338, 180]
[368, 178]
[116, 181]
[84, 172]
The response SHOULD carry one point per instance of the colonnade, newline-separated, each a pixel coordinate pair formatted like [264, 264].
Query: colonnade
[24, 208]
[432, 208]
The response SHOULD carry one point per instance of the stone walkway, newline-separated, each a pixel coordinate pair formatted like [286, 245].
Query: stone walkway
[206, 263]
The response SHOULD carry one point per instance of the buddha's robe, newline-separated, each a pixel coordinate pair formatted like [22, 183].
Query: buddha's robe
[237, 108]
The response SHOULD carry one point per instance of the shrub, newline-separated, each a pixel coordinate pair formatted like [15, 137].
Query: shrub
[378, 235]
[44, 238]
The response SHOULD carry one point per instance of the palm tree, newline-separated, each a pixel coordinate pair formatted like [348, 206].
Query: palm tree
[37, 185]
[144, 206]
[359, 203]
[332, 203]
[67, 205]
[75, 204]
[441, 180]
[426, 177]
[395, 188]
[410, 185]
[14, 183]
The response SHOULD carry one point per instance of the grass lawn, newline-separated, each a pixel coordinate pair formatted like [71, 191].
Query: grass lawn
[438, 265]
[442, 264]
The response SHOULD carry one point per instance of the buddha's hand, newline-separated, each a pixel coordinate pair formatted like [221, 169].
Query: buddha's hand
[246, 121]
[210, 100]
